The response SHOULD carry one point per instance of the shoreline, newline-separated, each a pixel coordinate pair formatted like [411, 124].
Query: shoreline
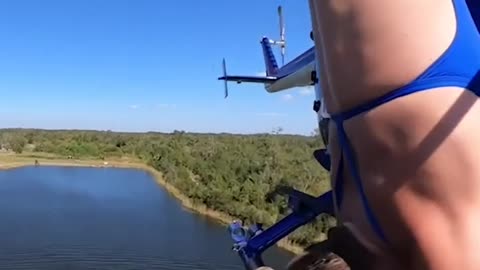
[12, 161]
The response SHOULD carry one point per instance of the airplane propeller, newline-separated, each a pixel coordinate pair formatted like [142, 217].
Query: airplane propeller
[282, 41]
[225, 75]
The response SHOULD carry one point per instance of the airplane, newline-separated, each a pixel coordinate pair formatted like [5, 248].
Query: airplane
[298, 72]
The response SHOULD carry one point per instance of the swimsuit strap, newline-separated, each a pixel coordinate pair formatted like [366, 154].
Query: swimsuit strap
[458, 66]
[346, 148]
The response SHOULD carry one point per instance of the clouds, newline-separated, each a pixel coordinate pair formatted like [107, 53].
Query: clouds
[301, 92]
[306, 91]
[287, 97]
[133, 106]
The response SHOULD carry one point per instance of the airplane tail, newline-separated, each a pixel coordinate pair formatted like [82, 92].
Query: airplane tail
[271, 66]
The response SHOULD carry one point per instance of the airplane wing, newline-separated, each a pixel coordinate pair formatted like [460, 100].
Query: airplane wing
[240, 79]
[250, 79]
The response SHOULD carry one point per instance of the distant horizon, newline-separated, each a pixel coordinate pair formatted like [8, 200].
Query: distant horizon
[273, 132]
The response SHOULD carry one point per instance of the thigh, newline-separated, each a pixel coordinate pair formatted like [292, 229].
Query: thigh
[420, 172]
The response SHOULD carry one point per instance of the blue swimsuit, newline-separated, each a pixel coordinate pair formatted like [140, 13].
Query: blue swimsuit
[458, 66]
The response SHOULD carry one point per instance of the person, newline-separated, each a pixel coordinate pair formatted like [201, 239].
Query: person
[400, 80]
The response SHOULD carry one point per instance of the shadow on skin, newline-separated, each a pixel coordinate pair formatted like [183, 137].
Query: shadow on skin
[412, 161]
[408, 166]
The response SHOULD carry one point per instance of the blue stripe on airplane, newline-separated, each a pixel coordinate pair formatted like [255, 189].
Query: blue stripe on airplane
[297, 63]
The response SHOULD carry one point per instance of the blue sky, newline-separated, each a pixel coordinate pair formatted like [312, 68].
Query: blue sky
[146, 65]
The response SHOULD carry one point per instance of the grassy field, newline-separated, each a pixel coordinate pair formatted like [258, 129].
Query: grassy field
[13, 160]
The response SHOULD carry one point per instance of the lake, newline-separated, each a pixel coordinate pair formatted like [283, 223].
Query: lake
[105, 218]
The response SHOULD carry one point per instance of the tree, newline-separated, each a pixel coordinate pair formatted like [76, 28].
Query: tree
[17, 144]
[228, 173]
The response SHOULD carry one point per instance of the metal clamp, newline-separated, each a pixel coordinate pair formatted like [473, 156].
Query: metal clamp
[251, 244]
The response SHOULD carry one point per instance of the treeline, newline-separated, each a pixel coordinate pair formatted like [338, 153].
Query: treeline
[227, 173]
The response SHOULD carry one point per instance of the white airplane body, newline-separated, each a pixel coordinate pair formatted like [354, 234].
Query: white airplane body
[299, 72]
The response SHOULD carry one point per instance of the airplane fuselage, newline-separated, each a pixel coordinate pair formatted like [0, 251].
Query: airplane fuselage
[296, 73]
[300, 78]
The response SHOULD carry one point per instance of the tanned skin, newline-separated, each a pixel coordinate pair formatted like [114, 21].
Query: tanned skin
[418, 155]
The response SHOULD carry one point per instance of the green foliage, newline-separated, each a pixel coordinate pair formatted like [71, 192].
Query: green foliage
[228, 173]
[17, 145]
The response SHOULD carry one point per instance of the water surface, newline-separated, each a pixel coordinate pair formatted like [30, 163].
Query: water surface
[105, 218]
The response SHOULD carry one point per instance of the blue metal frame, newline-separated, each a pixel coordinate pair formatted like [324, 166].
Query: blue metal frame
[251, 243]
